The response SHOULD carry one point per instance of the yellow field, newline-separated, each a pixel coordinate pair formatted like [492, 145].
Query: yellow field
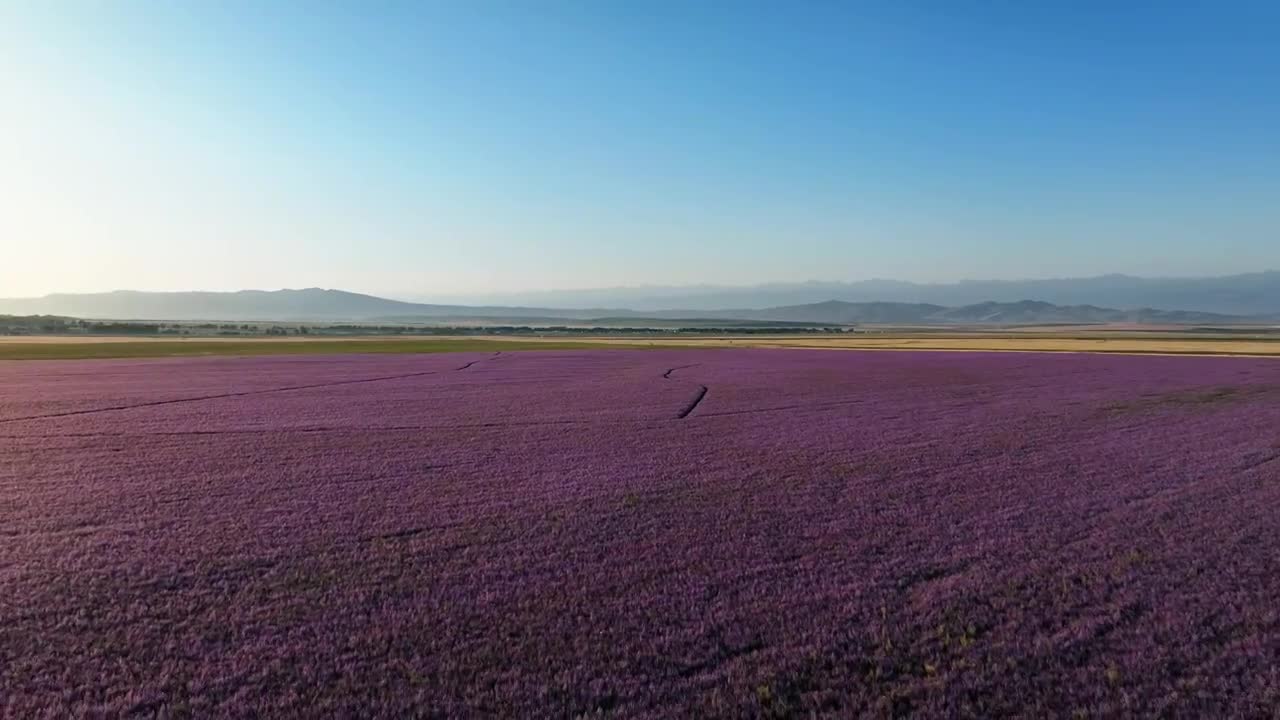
[976, 342]
[71, 346]
[98, 339]
[1063, 344]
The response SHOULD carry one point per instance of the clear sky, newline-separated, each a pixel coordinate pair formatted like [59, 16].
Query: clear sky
[448, 147]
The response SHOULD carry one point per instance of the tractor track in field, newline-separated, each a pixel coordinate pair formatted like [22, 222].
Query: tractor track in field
[242, 393]
[412, 532]
[783, 408]
[667, 375]
[473, 362]
[698, 398]
[338, 429]
[693, 404]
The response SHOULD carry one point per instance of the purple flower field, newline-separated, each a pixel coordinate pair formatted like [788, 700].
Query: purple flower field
[661, 533]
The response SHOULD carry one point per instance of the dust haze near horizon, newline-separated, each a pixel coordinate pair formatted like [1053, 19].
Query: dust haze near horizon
[471, 151]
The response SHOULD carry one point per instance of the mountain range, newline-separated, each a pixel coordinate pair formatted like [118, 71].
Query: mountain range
[320, 305]
[1000, 313]
[309, 304]
[1245, 294]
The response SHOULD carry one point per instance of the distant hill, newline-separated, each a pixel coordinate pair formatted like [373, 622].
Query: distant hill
[302, 305]
[836, 311]
[1010, 313]
[1030, 311]
[1245, 294]
[314, 304]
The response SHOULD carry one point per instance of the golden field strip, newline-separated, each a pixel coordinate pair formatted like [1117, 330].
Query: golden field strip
[1126, 346]
[73, 347]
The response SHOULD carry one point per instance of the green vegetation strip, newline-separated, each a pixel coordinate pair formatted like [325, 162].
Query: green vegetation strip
[183, 348]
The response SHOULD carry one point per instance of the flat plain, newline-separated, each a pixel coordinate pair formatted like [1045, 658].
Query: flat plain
[1171, 342]
[656, 533]
[76, 347]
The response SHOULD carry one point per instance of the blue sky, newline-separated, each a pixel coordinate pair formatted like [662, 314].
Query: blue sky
[440, 148]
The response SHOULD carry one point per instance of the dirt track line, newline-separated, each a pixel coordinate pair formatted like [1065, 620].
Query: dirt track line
[1257, 462]
[353, 428]
[243, 393]
[473, 362]
[218, 396]
[413, 532]
[702, 393]
[667, 374]
[1046, 351]
[780, 408]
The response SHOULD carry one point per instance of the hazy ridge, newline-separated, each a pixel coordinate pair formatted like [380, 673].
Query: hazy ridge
[1243, 294]
[1256, 296]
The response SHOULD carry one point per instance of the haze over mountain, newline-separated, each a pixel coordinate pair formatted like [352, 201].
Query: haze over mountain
[1006, 313]
[1243, 294]
[456, 148]
[1239, 298]
[304, 304]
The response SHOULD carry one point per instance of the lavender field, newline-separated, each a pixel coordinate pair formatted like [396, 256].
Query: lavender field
[641, 533]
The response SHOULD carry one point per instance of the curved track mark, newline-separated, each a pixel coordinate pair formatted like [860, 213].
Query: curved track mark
[473, 362]
[702, 393]
[667, 374]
